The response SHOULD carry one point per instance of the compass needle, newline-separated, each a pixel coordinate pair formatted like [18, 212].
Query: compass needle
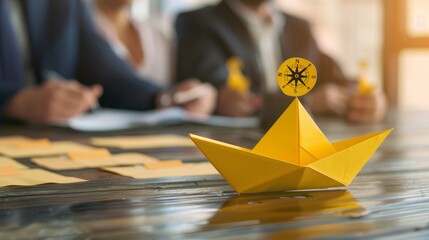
[290, 69]
[297, 76]
[302, 82]
[303, 70]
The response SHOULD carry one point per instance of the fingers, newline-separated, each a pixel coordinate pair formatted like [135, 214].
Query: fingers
[330, 99]
[235, 104]
[97, 90]
[205, 101]
[362, 102]
[86, 96]
[338, 101]
[367, 108]
[54, 101]
[83, 97]
[187, 84]
[65, 100]
[58, 111]
[255, 101]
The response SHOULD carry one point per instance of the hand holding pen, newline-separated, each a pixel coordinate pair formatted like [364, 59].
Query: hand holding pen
[54, 101]
[192, 95]
[91, 94]
[235, 98]
[368, 103]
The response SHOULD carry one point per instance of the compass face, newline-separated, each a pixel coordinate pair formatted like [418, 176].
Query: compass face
[296, 76]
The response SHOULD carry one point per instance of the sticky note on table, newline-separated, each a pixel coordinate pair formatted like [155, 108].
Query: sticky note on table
[11, 162]
[21, 147]
[65, 163]
[186, 170]
[143, 142]
[8, 170]
[12, 140]
[164, 164]
[90, 154]
[13, 173]
[36, 143]
[30, 177]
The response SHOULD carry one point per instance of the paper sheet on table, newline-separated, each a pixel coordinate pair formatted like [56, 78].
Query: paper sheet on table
[23, 142]
[7, 141]
[64, 163]
[114, 120]
[141, 142]
[30, 177]
[10, 162]
[186, 170]
[55, 148]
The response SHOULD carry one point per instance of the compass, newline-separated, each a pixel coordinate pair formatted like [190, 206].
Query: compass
[296, 76]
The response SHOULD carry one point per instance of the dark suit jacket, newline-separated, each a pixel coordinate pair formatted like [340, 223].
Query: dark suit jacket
[63, 39]
[209, 36]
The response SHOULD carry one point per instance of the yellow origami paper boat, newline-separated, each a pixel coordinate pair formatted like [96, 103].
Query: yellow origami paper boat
[293, 154]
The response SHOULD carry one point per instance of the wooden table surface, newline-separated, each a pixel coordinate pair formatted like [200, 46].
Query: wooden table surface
[389, 199]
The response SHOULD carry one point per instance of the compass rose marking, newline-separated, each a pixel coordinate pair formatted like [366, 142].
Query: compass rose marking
[296, 76]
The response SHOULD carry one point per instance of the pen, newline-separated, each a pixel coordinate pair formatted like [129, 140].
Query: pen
[54, 76]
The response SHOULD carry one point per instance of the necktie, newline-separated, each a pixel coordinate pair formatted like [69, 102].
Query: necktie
[11, 65]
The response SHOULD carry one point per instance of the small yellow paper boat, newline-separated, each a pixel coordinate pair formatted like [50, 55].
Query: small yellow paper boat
[293, 154]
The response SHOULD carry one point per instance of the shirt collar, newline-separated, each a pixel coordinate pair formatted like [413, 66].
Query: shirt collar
[278, 20]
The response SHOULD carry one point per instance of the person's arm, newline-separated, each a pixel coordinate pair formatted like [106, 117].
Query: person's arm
[8, 89]
[199, 55]
[53, 102]
[97, 64]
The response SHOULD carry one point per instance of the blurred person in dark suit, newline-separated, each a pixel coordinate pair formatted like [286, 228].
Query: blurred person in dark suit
[262, 37]
[50, 36]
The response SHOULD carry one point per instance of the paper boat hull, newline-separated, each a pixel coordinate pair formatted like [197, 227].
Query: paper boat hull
[248, 172]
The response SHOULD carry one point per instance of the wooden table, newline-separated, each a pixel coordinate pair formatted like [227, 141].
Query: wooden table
[388, 199]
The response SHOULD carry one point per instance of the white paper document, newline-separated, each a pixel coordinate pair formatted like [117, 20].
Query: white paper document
[114, 120]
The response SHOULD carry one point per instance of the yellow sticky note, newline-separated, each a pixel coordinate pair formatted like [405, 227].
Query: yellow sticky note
[8, 170]
[57, 163]
[31, 177]
[11, 162]
[12, 140]
[236, 79]
[163, 164]
[64, 163]
[36, 143]
[143, 142]
[55, 148]
[90, 154]
[186, 170]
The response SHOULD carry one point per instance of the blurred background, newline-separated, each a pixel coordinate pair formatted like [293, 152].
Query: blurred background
[391, 35]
